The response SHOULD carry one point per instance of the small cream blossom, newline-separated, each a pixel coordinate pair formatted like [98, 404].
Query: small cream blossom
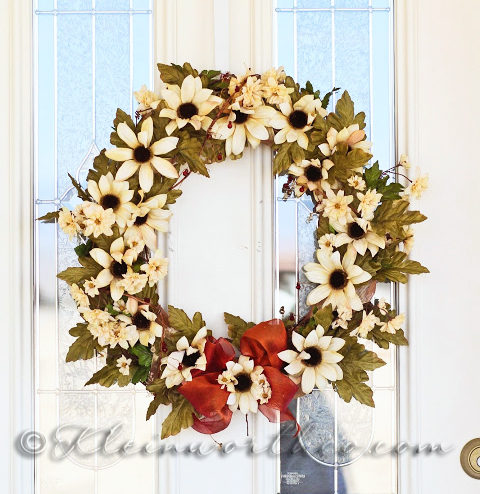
[250, 95]
[96, 315]
[418, 186]
[368, 203]
[147, 99]
[405, 161]
[352, 136]
[79, 296]
[344, 316]
[67, 223]
[157, 268]
[123, 364]
[357, 182]
[91, 287]
[98, 221]
[409, 239]
[336, 206]
[327, 242]
[367, 324]
[133, 282]
[393, 325]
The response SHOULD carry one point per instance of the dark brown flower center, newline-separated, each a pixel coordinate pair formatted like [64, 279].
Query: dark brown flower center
[141, 220]
[142, 154]
[244, 382]
[187, 110]
[338, 279]
[240, 117]
[313, 173]
[141, 322]
[190, 360]
[109, 201]
[118, 269]
[355, 231]
[298, 119]
[315, 356]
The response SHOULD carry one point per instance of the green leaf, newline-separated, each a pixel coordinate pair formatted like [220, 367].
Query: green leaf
[85, 196]
[344, 109]
[143, 353]
[198, 322]
[49, 217]
[372, 175]
[141, 375]
[173, 195]
[76, 275]
[236, 327]
[101, 166]
[282, 158]
[83, 348]
[360, 391]
[152, 408]
[123, 117]
[190, 151]
[383, 339]
[395, 266]
[178, 319]
[324, 317]
[323, 227]
[83, 249]
[326, 98]
[171, 74]
[181, 417]
[297, 153]
[109, 375]
[392, 216]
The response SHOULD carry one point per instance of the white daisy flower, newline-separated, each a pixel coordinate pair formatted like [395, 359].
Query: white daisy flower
[336, 279]
[367, 324]
[312, 175]
[357, 182]
[316, 359]
[142, 322]
[418, 186]
[123, 364]
[189, 356]
[250, 386]
[95, 315]
[79, 296]
[344, 316]
[241, 126]
[295, 120]
[146, 99]
[405, 161]
[276, 93]
[368, 203]
[66, 221]
[140, 153]
[98, 221]
[133, 282]
[352, 135]
[114, 195]
[250, 96]
[136, 243]
[120, 305]
[189, 104]
[278, 75]
[149, 217]
[393, 325]
[116, 265]
[157, 268]
[118, 333]
[359, 233]
[336, 206]
[91, 287]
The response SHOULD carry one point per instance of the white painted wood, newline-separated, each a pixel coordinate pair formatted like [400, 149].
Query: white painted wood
[438, 100]
[220, 245]
[16, 399]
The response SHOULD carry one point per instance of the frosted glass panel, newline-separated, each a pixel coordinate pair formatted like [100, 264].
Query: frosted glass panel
[88, 65]
[313, 4]
[351, 4]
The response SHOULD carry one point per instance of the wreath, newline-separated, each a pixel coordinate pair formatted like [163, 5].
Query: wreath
[364, 236]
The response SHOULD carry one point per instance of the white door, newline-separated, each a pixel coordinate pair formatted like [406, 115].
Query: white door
[436, 94]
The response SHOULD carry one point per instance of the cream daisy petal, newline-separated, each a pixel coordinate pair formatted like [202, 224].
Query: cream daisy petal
[146, 177]
[320, 380]
[331, 357]
[188, 89]
[201, 96]
[318, 276]
[116, 290]
[294, 367]
[164, 145]
[311, 339]
[94, 191]
[238, 143]
[182, 344]
[317, 294]
[104, 278]
[164, 167]
[144, 337]
[287, 355]
[324, 342]
[336, 344]
[102, 257]
[302, 140]
[256, 129]
[298, 341]
[172, 98]
[308, 380]
[327, 370]
[147, 126]
[127, 170]
[127, 135]
[119, 154]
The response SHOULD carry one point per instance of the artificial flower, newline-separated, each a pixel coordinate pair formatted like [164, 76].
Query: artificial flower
[352, 136]
[133, 282]
[79, 296]
[359, 233]
[148, 217]
[368, 323]
[91, 287]
[123, 364]
[418, 186]
[115, 333]
[393, 325]
[156, 269]
[142, 321]
[240, 126]
[66, 221]
[357, 182]
[327, 242]
[405, 161]
[368, 203]
[250, 96]
[409, 239]
[316, 359]
[297, 119]
[344, 315]
[312, 175]
[114, 195]
[336, 279]
[189, 104]
[249, 385]
[140, 153]
[188, 357]
[147, 99]
[98, 221]
[336, 206]
[116, 265]
[135, 242]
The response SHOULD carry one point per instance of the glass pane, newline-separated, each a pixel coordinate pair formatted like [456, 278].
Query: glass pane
[351, 4]
[313, 4]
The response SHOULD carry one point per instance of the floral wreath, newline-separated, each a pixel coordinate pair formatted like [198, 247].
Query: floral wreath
[364, 236]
